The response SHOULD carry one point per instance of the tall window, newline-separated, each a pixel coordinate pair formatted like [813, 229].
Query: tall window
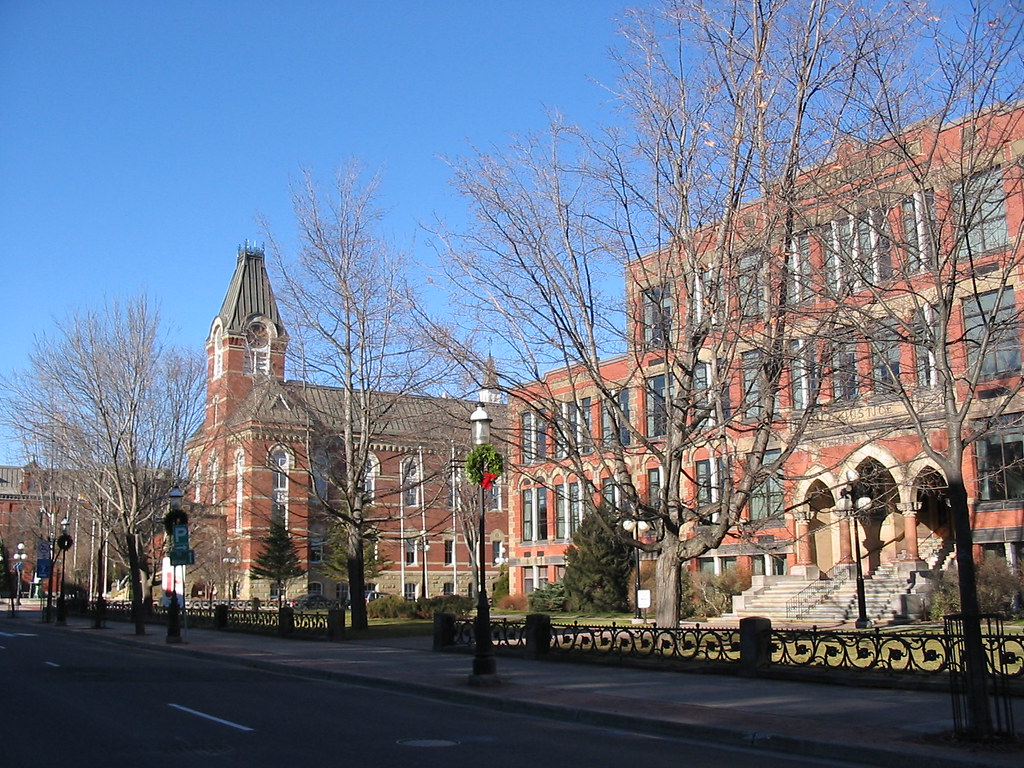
[575, 506]
[752, 408]
[924, 346]
[981, 207]
[992, 333]
[410, 551]
[657, 409]
[561, 512]
[917, 219]
[653, 486]
[239, 488]
[751, 268]
[799, 268]
[316, 550]
[214, 470]
[411, 482]
[885, 359]
[766, 498]
[585, 434]
[657, 309]
[218, 352]
[535, 514]
[532, 436]
[1000, 458]
[449, 551]
[613, 427]
[371, 470]
[874, 253]
[279, 500]
[845, 379]
[805, 373]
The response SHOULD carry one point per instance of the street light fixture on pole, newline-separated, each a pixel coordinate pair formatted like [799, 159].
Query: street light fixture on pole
[636, 527]
[19, 567]
[484, 664]
[64, 542]
[854, 502]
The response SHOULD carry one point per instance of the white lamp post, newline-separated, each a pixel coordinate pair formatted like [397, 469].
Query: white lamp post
[636, 527]
[484, 663]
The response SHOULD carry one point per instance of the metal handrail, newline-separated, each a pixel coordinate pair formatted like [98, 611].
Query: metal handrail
[819, 591]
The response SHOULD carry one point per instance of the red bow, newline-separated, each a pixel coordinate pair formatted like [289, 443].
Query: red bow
[488, 479]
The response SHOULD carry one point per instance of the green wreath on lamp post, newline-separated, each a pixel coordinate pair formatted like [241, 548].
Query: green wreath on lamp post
[484, 465]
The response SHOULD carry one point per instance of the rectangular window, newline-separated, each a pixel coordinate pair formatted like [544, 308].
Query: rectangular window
[657, 410]
[528, 438]
[805, 374]
[410, 551]
[409, 590]
[981, 209]
[561, 513]
[316, 550]
[766, 498]
[448, 589]
[752, 408]
[657, 309]
[542, 513]
[924, 346]
[575, 506]
[845, 380]
[586, 425]
[751, 268]
[654, 486]
[449, 551]
[1000, 458]
[885, 359]
[706, 486]
[992, 333]
[613, 427]
[799, 268]
[497, 553]
[918, 220]
[528, 522]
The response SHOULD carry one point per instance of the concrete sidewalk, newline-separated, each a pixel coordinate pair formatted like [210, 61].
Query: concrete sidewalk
[864, 725]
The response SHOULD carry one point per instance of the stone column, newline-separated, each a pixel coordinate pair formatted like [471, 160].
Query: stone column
[805, 567]
[909, 512]
[845, 550]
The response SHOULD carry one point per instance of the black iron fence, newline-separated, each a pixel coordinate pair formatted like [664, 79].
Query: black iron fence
[281, 622]
[753, 647]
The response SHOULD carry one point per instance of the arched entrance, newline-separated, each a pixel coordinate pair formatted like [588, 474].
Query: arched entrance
[822, 530]
[880, 527]
[935, 531]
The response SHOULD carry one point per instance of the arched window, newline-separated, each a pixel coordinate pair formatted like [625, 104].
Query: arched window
[371, 471]
[218, 353]
[279, 499]
[239, 480]
[212, 474]
[411, 482]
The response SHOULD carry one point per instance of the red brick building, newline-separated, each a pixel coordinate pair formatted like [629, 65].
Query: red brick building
[901, 268]
[264, 439]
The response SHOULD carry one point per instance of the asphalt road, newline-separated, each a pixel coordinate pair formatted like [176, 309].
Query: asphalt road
[80, 702]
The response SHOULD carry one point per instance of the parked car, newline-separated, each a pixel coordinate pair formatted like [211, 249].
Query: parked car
[311, 602]
[375, 595]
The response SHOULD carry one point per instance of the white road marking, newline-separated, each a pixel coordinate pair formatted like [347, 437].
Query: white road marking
[17, 634]
[51, 664]
[210, 717]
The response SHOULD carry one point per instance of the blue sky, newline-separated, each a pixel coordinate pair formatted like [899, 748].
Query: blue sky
[140, 141]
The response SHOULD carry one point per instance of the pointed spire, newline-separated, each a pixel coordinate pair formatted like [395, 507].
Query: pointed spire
[249, 294]
[489, 386]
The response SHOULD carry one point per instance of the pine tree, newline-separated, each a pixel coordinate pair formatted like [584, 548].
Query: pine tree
[598, 566]
[278, 560]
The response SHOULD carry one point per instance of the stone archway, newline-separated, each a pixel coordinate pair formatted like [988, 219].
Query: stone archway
[823, 529]
[935, 531]
[880, 527]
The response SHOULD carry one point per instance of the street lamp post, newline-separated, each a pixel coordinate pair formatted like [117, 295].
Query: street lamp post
[854, 502]
[64, 542]
[19, 567]
[636, 527]
[484, 663]
[174, 518]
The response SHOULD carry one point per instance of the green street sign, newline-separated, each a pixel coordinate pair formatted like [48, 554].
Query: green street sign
[183, 557]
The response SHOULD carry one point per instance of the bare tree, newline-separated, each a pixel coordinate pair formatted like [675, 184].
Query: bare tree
[354, 311]
[693, 200]
[114, 403]
[930, 198]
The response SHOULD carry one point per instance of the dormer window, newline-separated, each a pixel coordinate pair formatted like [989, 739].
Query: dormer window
[257, 349]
